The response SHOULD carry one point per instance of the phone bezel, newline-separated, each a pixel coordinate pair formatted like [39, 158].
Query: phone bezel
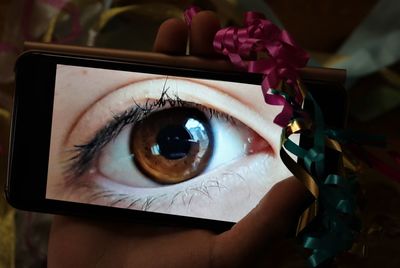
[30, 138]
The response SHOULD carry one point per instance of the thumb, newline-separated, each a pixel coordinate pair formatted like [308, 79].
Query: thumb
[274, 218]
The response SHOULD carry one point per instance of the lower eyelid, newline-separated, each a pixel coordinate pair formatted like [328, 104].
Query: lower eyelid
[219, 172]
[187, 196]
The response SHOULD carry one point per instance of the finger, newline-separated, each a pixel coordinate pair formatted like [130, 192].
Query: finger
[75, 242]
[171, 37]
[273, 219]
[203, 28]
[79, 242]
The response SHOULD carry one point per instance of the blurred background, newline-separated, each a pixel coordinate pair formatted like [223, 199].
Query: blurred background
[361, 36]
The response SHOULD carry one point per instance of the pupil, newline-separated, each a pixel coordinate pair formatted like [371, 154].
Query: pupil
[172, 145]
[174, 142]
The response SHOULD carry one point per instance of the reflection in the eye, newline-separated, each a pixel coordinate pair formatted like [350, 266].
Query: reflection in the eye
[103, 169]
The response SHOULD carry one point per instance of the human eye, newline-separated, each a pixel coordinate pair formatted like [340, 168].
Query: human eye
[170, 145]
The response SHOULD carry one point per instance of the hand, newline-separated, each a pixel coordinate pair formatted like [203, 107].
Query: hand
[76, 242]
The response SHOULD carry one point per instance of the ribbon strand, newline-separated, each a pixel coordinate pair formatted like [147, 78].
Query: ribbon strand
[261, 47]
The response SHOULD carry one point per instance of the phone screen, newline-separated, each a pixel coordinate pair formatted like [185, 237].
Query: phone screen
[201, 148]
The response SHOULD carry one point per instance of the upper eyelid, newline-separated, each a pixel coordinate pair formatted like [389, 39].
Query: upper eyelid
[84, 111]
[127, 94]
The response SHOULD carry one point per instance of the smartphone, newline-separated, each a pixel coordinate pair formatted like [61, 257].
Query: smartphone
[140, 138]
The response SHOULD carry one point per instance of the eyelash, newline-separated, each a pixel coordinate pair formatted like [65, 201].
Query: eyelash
[85, 154]
[146, 203]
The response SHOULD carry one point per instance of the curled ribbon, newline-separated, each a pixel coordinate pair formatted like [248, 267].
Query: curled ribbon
[76, 28]
[261, 47]
[329, 226]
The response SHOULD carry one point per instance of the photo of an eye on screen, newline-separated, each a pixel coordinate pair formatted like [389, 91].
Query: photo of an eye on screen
[175, 145]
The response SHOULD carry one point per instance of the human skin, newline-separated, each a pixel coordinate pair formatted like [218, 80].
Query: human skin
[76, 242]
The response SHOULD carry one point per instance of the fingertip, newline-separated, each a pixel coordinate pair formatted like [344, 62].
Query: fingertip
[281, 207]
[204, 26]
[287, 195]
[270, 221]
[171, 37]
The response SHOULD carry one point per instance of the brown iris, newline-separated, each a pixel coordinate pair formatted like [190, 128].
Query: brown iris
[173, 145]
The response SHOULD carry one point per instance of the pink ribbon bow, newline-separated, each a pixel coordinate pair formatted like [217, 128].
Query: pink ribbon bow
[283, 56]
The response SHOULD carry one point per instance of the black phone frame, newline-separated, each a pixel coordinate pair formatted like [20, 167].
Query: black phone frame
[31, 130]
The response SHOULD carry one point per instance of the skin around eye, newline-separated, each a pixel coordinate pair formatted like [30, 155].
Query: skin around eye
[219, 194]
